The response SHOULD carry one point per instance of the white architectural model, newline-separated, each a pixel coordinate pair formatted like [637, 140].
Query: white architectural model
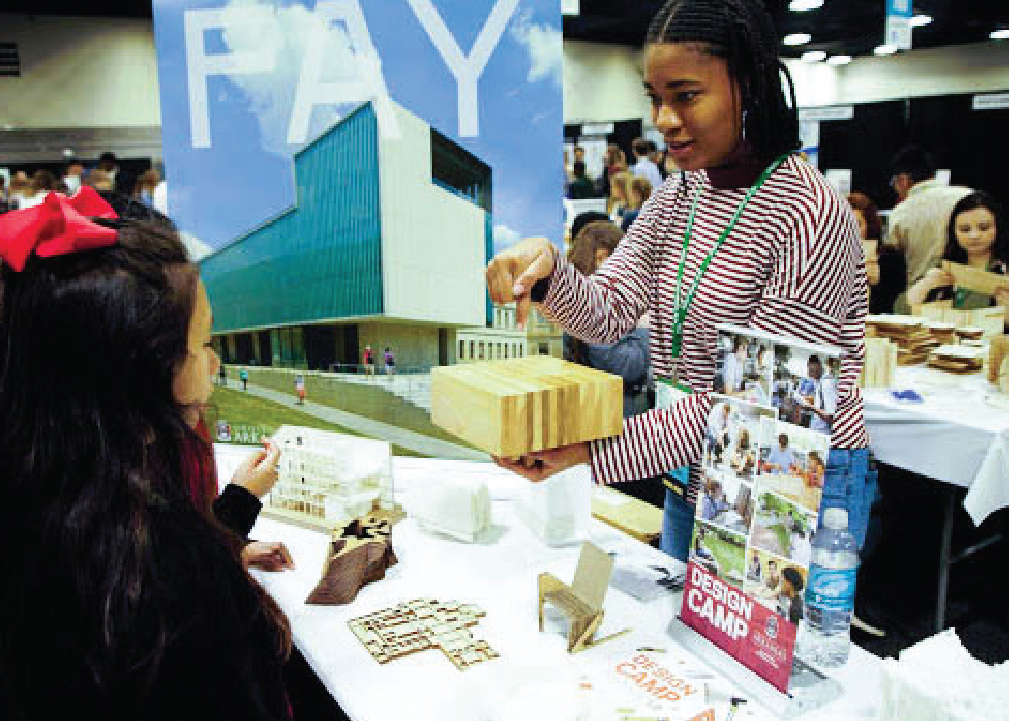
[457, 507]
[330, 477]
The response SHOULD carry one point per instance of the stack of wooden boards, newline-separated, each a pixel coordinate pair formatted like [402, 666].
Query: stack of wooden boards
[908, 333]
[957, 358]
[512, 407]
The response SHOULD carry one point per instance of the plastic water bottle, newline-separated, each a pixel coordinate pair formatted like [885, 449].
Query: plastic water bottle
[830, 593]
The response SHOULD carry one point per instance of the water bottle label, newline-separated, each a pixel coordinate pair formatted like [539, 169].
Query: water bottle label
[831, 590]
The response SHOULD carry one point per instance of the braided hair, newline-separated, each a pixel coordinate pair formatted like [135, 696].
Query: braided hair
[742, 33]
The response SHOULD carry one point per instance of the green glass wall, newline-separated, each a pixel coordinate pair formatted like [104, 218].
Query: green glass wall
[322, 258]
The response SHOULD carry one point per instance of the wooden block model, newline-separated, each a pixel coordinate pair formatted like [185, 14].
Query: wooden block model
[880, 361]
[512, 407]
[957, 358]
[421, 625]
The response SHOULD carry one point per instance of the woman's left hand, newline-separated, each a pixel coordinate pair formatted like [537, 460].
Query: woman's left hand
[1002, 297]
[541, 465]
[267, 556]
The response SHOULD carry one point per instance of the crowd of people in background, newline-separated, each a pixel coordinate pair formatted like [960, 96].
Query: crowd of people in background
[27, 188]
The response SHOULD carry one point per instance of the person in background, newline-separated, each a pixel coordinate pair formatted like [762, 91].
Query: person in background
[713, 501]
[734, 367]
[99, 179]
[643, 165]
[583, 219]
[773, 580]
[886, 272]
[299, 388]
[5, 204]
[43, 182]
[222, 374]
[123, 566]
[974, 237]
[790, 595]
[73, 175]
[628, 357]
[243, 375]
[822, 401]
[390, 362]
[614, 161]
[368, 357]
[780, 459]
[144, 188]
[581, 185]
[620, 197]
[753, 572]
[917, 225]
[640, 192]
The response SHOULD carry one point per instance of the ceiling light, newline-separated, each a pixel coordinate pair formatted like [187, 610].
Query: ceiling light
[801, 6]
[839, 60]
[797, 39]
[885, 49]
[919, 21]
[813, 56]
[999, 35]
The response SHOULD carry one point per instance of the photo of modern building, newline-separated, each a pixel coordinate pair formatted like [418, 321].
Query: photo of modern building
[385, 246]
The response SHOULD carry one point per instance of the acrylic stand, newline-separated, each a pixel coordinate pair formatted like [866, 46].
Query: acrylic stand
[808, 688]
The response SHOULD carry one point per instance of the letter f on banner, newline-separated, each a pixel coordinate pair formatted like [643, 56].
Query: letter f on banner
[200, 65]
[466, 70]
[312, 90]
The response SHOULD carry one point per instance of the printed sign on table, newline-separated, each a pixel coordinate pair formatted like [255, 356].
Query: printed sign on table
[765, 455]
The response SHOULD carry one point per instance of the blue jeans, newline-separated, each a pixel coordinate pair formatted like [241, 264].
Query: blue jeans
[849, 484]
[677, 519]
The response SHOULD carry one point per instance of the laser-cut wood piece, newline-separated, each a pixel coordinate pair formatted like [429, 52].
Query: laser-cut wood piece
[359, 553]
[420, 625]
[512, 407]
[582, 601]
[998, 350]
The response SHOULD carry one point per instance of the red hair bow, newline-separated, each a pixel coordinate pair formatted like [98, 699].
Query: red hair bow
[56, 226]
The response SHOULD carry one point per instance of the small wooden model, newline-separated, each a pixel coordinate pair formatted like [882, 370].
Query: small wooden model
[998, 351]
[909, 333]
[957, 358]
[880, 363]
[421, 625]
[512, 407]
[359, 553]
[582, 601]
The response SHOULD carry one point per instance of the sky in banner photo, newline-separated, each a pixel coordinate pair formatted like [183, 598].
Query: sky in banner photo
[244, 85]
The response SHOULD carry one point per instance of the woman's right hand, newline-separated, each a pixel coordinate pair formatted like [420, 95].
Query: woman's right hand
[513, 272]
[939, 278]
[258, 473]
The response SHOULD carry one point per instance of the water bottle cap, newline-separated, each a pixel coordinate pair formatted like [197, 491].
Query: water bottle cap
[836, 518]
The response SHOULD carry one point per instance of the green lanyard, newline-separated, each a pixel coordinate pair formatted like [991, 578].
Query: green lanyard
[680, 308]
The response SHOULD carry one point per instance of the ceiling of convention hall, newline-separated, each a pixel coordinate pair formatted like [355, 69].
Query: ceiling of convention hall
[836, 27]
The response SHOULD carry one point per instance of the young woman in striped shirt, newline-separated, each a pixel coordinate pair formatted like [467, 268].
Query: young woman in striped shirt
[747, 234]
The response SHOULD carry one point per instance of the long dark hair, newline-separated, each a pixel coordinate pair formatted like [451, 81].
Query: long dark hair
[973, 201]
[742, 33]
[90, 439]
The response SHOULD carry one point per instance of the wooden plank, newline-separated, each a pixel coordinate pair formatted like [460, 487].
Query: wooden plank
[633, 516]
[975, 279]
[512, 407]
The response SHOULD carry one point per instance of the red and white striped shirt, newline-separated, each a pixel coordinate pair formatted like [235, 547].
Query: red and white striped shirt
[793, 266]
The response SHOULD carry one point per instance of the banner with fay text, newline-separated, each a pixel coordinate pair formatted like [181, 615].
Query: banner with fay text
[246, 84]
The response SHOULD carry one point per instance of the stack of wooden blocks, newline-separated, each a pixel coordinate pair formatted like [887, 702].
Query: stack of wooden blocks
[998, 354]
[513, 407]
[957, 359]
[912, 338]
[880, 362]
[942, 332]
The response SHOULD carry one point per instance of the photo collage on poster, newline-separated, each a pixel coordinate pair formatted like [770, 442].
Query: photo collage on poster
[766, 442]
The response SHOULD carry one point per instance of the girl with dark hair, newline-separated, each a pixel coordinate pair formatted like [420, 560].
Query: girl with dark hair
[748, 233]
[125, 596]
[975, 237]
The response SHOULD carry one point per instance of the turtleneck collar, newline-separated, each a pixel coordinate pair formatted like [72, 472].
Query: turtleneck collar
[740, 170]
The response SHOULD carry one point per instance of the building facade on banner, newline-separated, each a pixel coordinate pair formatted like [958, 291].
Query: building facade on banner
[385, 246]
[503, 339]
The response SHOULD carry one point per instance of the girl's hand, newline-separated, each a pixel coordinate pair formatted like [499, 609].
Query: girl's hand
[258, 472]
[939, 278]
[513, 272]
[267, 556]
[541, 465]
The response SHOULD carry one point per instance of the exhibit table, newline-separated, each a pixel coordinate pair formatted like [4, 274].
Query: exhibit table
[958, 434]
[534, 677]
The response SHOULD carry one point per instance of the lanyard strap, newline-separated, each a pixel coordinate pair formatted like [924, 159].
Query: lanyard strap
[680, 310]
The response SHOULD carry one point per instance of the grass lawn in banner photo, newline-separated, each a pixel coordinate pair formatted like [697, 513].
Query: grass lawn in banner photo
[239, 408]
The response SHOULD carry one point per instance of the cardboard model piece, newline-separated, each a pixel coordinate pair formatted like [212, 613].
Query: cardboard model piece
[421, 625]
[359, 553]
[512, 407]
[582, 601]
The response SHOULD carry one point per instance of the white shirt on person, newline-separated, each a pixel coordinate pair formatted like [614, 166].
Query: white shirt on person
[732, 374]
[824, 399]
[648, 170]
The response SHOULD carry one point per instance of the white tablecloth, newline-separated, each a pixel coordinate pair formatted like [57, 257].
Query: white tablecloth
[958, 435]
[534, 670]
